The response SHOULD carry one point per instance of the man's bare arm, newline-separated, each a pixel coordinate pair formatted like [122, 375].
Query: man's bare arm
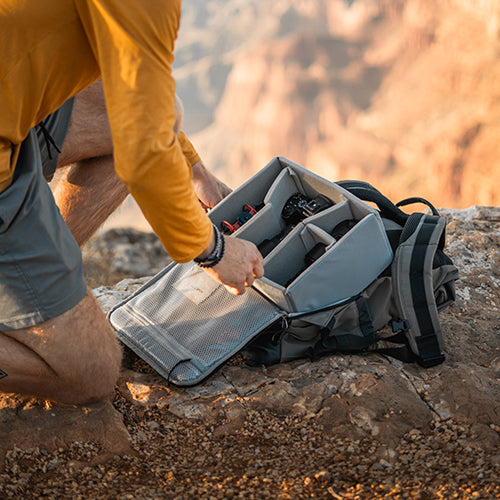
[208, 188]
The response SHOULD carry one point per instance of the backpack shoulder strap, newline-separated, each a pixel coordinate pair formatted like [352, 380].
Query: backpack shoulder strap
[413, 286]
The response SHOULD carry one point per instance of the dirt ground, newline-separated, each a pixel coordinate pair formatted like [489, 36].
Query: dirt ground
[267, 457]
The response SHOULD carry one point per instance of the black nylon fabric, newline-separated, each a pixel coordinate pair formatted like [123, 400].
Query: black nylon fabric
[366, 192]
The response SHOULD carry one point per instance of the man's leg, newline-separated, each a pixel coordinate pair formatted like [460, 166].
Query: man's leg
[55, 341]
[73, 358]
[88, 191]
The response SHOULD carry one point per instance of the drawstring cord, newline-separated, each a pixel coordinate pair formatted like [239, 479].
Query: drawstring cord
[49, 141]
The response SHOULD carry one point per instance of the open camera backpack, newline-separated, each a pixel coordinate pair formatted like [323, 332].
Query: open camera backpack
[337, 272]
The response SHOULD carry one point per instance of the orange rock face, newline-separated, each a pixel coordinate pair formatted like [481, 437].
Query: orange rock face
[402, 94]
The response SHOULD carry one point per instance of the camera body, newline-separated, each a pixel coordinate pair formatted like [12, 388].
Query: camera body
[298, 207]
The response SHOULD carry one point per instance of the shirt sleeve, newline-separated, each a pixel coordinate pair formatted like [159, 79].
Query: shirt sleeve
[188, 150]
[133, 44]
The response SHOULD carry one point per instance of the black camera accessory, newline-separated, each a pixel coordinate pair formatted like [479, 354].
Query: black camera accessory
[343, 228]
[312, 256]
[268, 244]
[247, 211]
[296, 208]
[217, 253]
[316, 205]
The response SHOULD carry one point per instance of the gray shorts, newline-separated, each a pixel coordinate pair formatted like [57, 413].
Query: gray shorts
[41, 272]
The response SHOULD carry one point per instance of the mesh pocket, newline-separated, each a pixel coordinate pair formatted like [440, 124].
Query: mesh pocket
[185, 340]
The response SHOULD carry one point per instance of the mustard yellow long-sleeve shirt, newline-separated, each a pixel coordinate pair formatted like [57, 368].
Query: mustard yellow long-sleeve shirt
[53, 49]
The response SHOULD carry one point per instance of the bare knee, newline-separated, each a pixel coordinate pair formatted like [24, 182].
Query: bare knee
[95, 368]
[74, 358]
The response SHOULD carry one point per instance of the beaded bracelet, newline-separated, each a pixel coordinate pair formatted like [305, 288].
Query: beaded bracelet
[218, 252]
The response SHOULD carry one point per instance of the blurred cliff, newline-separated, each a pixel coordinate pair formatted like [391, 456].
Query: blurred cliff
[401, 93]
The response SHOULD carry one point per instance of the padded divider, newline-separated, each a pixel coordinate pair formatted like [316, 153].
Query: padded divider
[346, 268]
[333, 216]
[287, 183]
[252, 192]
[265, 224]
[273, 186]
[286, 262]
[312, 184]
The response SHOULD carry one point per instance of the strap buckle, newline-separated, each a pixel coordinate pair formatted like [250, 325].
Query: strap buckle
[400, 326]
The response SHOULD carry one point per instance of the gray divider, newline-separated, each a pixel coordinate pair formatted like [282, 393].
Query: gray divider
[265, 224]
[328, 219]
[287, 261]
[347, 267]
[287, 182]
[273, 185]
[251, 192]
[344, 270]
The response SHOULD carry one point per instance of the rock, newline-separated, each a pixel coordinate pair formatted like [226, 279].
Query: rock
[122, 253]
[362, 92]
[108, 298]
[29, 424]
[356, 397]
[368, 394]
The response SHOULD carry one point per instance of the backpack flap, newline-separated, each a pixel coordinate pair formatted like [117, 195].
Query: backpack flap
[413, 283]
[185, 324]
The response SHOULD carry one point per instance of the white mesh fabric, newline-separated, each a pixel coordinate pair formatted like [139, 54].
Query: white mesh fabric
[185, 341]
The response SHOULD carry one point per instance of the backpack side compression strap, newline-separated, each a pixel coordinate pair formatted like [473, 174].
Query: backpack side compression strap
[413, 286]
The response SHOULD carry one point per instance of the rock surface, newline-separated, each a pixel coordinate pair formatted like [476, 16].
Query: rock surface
[364, 420]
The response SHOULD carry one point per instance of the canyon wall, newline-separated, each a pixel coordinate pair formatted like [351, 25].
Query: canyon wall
[403, 94]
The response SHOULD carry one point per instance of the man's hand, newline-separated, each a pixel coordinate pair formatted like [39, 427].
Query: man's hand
[240, 265]
[208, 188]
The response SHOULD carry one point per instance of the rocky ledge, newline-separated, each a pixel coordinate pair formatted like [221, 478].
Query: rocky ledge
[344, 422]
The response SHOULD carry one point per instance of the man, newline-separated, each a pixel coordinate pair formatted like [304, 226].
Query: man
[55, 341]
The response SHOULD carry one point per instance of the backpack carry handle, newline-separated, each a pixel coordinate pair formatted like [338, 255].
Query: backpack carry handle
[366, 192]
[417, 199]
[388, 209]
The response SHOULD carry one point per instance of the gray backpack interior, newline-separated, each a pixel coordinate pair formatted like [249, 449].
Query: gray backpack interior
[185, 325]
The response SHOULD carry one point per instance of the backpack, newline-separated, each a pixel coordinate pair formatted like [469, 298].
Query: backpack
[406, 296]
[337, 271]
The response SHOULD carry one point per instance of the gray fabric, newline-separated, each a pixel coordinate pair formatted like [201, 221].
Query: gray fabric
[343, 271]
[402, 277]
[40, 262]
[185, 324]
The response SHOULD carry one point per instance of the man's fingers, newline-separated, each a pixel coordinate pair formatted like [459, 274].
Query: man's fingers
[234, 290]
[258, 270]
[249, 281]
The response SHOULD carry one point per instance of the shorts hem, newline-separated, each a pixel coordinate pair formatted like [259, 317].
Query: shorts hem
[37, 317]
